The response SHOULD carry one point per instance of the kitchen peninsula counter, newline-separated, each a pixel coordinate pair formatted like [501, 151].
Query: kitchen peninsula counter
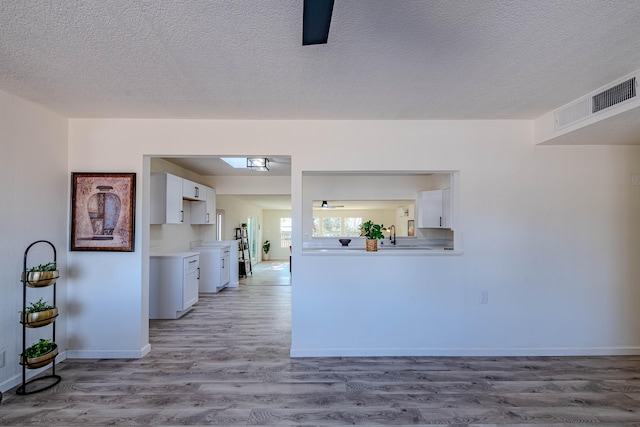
[421, 248]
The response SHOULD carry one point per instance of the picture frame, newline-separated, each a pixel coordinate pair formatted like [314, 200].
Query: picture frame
[411, 231]
[103, 211]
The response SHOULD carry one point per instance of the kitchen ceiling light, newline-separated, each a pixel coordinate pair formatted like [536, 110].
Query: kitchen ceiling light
[260, 165]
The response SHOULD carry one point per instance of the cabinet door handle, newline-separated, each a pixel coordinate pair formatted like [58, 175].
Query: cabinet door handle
[181, 216]
[197, 192]
[207, 217]
[198, 273]
[440, 221]
[222, 262]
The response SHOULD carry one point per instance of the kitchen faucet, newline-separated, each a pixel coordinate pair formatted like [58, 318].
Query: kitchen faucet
[392, 237]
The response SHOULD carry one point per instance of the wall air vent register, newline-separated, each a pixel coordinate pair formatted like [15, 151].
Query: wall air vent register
[618, 94]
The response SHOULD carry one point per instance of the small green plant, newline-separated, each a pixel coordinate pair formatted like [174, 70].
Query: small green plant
[40, 348]
[371, 230]
[266, 246]
[40, 305]
[50, 266]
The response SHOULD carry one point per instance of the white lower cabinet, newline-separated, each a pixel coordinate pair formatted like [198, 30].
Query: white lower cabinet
[173, 284]
[214, 267]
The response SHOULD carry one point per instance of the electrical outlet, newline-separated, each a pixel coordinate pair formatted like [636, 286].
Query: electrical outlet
[2, 359]
[635, 179]
[484, 297]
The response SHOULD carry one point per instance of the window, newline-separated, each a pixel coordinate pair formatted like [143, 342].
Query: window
[331, 227]
[336, 226]
[352, 227]
[285, 232]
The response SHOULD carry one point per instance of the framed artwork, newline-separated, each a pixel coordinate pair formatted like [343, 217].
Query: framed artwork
[410, 228]
[102, 211]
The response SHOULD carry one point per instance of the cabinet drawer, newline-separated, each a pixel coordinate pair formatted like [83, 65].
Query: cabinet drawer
[191, 263]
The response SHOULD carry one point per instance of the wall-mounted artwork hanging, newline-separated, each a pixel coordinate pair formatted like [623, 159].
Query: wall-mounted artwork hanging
[102, 211]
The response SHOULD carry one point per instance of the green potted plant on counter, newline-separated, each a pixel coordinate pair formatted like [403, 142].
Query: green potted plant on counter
[373, 233]
[266, 247]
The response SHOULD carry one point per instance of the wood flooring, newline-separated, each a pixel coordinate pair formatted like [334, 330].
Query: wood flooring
[227, 363]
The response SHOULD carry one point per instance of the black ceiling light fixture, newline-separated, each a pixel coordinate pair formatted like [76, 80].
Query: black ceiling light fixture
[259, 165]
[326, 205]
[316, 19]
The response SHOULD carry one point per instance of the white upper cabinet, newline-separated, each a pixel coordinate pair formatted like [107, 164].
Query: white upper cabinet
[166, 199]
[434, 209]
[193, 191]
[447, 209]
[204, 212]
[167, 194]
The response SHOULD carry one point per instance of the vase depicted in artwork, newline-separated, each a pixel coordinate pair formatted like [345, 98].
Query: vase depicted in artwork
[104, 210]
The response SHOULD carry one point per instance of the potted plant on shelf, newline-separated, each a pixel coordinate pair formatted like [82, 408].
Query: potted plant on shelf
[41, 275]
[266, 246]
[373, 232]
[39, 354]
[38, 313]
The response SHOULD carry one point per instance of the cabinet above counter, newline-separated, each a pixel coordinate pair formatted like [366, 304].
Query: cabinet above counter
[168, 193]
[193, 191]
[435, 209]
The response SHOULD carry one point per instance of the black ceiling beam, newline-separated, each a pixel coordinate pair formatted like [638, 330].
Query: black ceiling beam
[316, 19]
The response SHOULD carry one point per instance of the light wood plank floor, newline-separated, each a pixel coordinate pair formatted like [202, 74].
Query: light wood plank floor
[227, 362]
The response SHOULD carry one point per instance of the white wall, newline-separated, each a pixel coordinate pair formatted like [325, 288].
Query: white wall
[550, 232]
[237, 211]
[34, 193]
[271, 232]
[251, 185]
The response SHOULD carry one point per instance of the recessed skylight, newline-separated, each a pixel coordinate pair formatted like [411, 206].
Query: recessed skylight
[236, 162]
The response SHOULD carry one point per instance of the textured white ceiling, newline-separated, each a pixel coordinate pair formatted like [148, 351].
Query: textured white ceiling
[244, 59]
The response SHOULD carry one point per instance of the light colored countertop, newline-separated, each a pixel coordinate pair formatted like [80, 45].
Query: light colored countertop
[402, 248]
[173, 254]
[383, 252]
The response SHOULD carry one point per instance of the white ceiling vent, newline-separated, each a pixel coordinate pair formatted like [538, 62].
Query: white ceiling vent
[606, 99]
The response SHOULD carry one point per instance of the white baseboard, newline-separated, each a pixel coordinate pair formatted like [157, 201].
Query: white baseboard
[30, 373]
[109, 354]
[494, 352]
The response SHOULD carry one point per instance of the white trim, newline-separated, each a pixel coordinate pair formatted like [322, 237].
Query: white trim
[30, 373]
[418, 352]
[109, 354]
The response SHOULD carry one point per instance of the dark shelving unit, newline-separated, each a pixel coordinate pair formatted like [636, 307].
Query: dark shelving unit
[51, 379]
[244, 254]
